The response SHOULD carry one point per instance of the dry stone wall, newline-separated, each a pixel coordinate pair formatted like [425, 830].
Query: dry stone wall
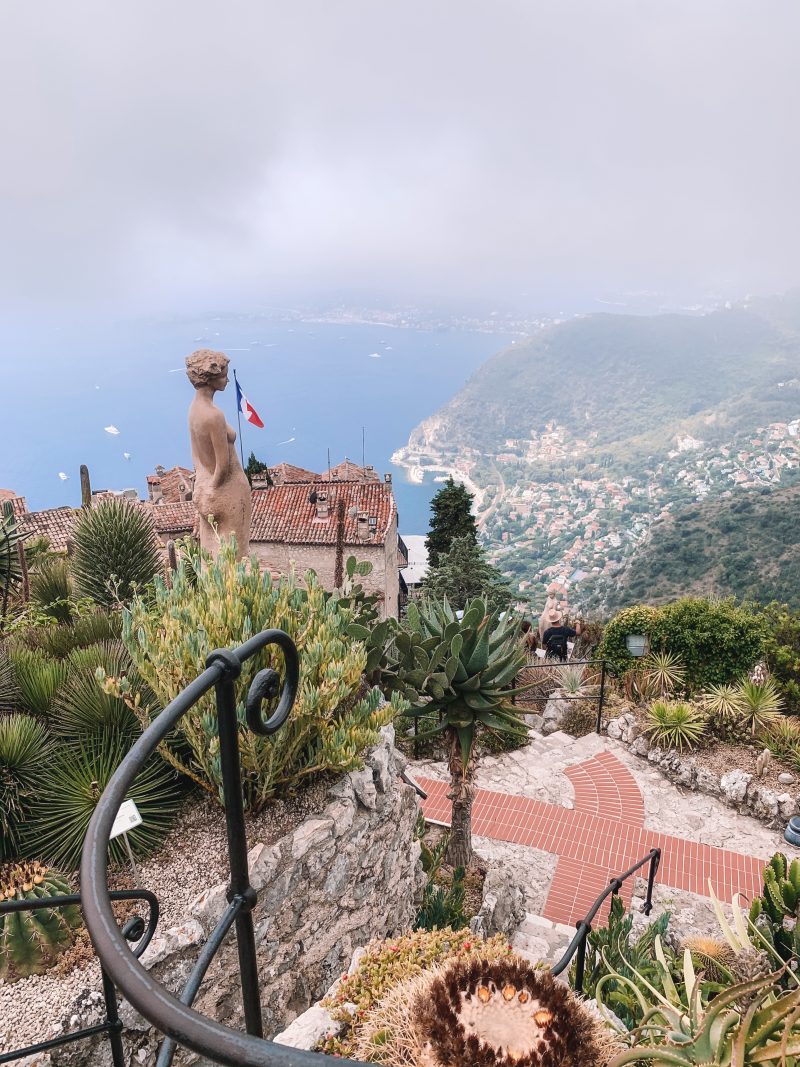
[344, 876]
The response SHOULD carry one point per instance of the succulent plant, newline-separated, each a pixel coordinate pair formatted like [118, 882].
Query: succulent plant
[759, 704]
[115, 552]
[51, 589]
[82, 708]
[506, 1013]
[713, 958]
[38, 678]
[24, 748]
[675, 725]
[774, 914]
[664, 672]
[30, 941]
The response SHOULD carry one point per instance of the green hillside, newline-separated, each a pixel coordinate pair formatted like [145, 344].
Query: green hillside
[746, 546]
[620, 377]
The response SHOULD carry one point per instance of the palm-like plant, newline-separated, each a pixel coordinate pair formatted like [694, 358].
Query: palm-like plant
[38, 678]
[59, 641]
[83, 708]
[70, 787]
[675, 725]
[759, 704]
[722, 702]
[115, 552]
[9, 691]
[783, 736]
[24, 746]
[10, 567]
[664, 672]
[463, 670]
[51, 589]
[572, 681]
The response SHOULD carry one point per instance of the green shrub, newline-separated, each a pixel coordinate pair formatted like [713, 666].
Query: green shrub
[115, 552]
[443, 905]
[59, 641]
[717, 641]
[640, 619]
[70, 787]
[579, 719]
[782, 652]
[24, 750]
[675, 725]
[219, 604]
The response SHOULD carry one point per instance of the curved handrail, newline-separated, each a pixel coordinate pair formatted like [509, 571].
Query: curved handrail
[161, 1008]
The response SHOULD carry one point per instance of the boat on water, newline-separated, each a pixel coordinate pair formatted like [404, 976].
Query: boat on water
[441, 477]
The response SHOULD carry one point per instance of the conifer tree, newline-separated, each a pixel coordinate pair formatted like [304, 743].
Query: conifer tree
[451, 517]
[256, 466]
[464, 573]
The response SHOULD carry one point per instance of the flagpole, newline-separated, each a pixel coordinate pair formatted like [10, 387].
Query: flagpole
[239, 417]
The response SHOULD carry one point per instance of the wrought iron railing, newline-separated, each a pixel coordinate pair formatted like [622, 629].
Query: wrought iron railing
[134, 930]
[584, 927]
[171, 1015]
[556, 665]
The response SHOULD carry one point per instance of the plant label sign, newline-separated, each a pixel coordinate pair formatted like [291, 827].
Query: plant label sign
[128, 818]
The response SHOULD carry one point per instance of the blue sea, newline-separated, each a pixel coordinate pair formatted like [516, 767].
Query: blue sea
[314, 385]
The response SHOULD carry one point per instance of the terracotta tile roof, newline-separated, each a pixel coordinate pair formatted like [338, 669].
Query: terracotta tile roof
[55, 524]
[347, 471]
[19, 505]
[288, 472]
[172, 518]
[285, 514]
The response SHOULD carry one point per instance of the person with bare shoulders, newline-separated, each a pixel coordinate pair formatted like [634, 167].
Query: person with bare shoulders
[221, 489]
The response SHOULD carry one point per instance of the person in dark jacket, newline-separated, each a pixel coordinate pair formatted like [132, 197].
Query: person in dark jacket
[556, 635]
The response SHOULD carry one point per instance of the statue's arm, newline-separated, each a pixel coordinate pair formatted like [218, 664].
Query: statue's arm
[219, 442]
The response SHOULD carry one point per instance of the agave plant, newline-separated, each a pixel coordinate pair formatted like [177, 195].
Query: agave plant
[70, 787]
[38, 678]
[31, 940]
[783, 736]
[59, 641]
[24, 749]
[463, 671]
[675, 725]
[51, 590]
[115, 552]
[572, 681]
[9, 691]
[83, 708]
[664, 672]
[759, 704]
[10, 568]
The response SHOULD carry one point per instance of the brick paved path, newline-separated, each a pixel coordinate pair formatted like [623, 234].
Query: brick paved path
[602, 836]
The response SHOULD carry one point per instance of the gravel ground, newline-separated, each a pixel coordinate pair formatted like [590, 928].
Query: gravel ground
[192, 858]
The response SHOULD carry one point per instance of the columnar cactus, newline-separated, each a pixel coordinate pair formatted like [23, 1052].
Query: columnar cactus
[30, 941]
[775, 914]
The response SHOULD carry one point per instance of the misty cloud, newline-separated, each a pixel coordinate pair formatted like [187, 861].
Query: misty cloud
[162, 153]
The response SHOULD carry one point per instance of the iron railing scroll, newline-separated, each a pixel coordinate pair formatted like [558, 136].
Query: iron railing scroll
[584, 927]
[135, 931]
[171, 1015]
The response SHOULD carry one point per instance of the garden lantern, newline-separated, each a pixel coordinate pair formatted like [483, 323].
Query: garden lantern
[637, 644]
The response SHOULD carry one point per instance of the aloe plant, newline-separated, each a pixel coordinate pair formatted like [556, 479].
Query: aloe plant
[463, 671]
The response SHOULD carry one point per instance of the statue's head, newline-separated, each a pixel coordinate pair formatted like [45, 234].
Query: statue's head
[206, 367]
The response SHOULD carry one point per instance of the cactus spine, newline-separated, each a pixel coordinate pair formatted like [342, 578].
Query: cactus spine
[30, 941]
[775, 914]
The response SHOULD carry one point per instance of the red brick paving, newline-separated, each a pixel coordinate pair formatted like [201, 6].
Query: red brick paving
[602, 836]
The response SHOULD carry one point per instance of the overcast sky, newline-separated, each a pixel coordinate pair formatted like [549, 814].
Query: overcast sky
[165, 153]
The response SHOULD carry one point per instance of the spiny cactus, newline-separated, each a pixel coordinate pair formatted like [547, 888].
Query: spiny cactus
[31, 940]
[714, 958]
[775, 914]
[506, 1013]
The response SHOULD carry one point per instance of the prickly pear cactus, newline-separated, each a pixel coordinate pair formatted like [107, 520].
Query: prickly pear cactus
[30, 941]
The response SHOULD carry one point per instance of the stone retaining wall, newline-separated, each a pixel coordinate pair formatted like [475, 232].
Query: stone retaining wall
[740, 790]
[347, 875]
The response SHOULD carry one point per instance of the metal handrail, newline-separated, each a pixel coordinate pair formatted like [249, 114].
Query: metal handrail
[112, 1025]
[584, 927]
[171, 1015]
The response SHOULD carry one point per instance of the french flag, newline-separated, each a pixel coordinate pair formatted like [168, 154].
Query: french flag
[248, 411]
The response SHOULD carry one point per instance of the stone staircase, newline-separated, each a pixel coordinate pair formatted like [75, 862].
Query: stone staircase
[539, 940]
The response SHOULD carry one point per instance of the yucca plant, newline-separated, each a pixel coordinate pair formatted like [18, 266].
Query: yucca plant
[82, 708]
[38, 678]
[463, 671]
[71, 785]
[59, 641]
[24, 749]
[759, 704]
[30, 941]
[115, 552]
[51, 590]
[783, 736]
[675, 725]
[10, 569]
[722, 702]
[572, 681]
[664, 672]
[9, 691]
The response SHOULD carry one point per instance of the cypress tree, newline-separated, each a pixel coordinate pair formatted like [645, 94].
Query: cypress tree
[451, 517]
[464, 573]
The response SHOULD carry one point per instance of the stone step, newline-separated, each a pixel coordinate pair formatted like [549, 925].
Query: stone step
[541, 941]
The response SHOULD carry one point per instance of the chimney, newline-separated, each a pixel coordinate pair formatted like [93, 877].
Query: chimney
[322, 505]
[387, 479]
[364, 532]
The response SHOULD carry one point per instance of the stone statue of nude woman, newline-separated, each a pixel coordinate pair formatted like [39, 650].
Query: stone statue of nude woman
[221, 489]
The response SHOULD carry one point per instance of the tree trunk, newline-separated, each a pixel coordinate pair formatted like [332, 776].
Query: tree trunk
[461, 795]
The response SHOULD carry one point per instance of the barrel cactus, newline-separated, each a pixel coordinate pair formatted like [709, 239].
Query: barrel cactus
[30, 941]
[507, 1013]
